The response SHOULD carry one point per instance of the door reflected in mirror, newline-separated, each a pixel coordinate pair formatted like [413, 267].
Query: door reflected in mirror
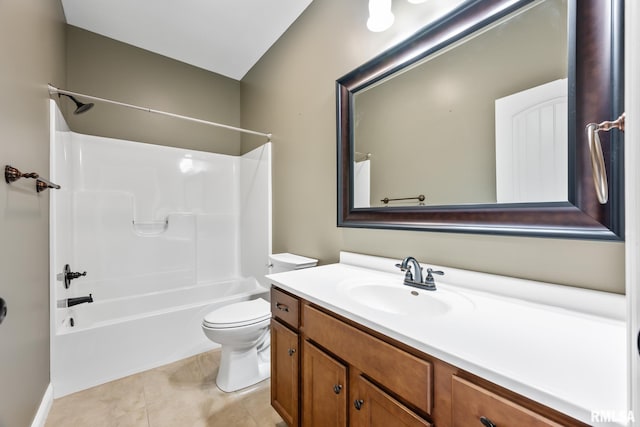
[483, 121]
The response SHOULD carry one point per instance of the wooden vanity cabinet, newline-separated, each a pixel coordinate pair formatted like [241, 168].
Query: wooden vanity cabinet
[284, 372]
[336, 392]
[403, 374]
[335, 372]
[285, 356]
[330, 394]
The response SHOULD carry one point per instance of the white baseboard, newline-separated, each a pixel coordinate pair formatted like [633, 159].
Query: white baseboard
[43, 411]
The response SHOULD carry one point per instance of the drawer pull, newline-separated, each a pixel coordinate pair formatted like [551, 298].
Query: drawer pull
[337, 388]
[282, 307]
[358, 403]
[291, 351]
[486, 422]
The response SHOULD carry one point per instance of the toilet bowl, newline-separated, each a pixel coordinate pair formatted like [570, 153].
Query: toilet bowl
[242, 329]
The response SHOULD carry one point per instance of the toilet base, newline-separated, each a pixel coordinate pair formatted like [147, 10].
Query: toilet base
[244, 367]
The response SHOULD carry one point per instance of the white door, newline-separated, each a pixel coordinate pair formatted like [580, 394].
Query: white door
[362, 184]
[531, 145]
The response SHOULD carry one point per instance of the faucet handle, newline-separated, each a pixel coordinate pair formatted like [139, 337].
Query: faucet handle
[69, 275]
[407, 269]
[430, 272]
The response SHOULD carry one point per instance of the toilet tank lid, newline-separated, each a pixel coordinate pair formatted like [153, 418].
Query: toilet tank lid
[292, 260]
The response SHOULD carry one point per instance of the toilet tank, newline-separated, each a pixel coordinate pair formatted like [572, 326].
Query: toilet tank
[289, 262]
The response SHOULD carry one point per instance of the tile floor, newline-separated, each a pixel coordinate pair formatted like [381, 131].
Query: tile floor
[182, 394]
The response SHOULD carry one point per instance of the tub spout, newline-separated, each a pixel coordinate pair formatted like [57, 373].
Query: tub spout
[79, 300]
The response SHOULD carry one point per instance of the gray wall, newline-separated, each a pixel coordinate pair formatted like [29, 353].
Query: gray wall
[32, 54]
[291, 92]
[106, 68]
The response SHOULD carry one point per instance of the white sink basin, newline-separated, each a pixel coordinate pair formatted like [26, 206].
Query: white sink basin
[403, 300]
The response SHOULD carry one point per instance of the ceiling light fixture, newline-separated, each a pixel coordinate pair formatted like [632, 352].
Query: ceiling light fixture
[380, 16]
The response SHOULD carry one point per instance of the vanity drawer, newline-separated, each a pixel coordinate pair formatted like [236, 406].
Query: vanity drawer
[403, 374]
[471, 403]
[285, 307]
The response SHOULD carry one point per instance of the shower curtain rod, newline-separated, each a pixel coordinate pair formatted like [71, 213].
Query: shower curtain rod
[54, 90]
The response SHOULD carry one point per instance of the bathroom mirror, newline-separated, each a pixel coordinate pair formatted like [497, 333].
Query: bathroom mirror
[437, 120]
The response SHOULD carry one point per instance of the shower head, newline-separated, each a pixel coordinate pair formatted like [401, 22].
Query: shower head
[80, 106]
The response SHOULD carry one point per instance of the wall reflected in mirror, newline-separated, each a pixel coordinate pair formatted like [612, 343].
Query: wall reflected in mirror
[484, 121]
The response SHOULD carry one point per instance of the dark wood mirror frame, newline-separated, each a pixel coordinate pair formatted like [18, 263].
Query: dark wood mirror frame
[595, 94]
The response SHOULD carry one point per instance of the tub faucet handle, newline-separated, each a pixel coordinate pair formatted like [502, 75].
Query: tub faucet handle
[77, 274]
[69, 275]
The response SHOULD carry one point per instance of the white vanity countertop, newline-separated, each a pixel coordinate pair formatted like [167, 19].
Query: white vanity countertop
[571, 358]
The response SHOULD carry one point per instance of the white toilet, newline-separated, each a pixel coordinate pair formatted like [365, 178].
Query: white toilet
[242, 329]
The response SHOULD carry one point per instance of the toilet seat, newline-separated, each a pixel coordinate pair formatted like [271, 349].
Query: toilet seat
[239, 314]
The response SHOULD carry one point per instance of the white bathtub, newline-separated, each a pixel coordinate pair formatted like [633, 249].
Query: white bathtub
[122, 336]
[160, 232]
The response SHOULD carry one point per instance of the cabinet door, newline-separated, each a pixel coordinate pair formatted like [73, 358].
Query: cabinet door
[372, 407]
[284, 372]
[324, 382]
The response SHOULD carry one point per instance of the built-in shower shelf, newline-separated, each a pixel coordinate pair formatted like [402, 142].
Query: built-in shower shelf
[150, 228]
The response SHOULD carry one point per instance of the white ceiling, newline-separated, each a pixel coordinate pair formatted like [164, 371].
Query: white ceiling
[224, 36]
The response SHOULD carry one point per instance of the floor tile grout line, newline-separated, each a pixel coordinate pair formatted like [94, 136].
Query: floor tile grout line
[146, 413]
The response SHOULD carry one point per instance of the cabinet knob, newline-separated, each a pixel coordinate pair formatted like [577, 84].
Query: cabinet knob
[337, 388]
[282, 307]
[291, 351]
[486, 422]
[358, 403]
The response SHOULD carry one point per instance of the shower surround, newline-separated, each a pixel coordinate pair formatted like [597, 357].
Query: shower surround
[165, 236]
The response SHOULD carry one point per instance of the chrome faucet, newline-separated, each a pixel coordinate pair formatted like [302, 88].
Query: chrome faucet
[415, 279]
